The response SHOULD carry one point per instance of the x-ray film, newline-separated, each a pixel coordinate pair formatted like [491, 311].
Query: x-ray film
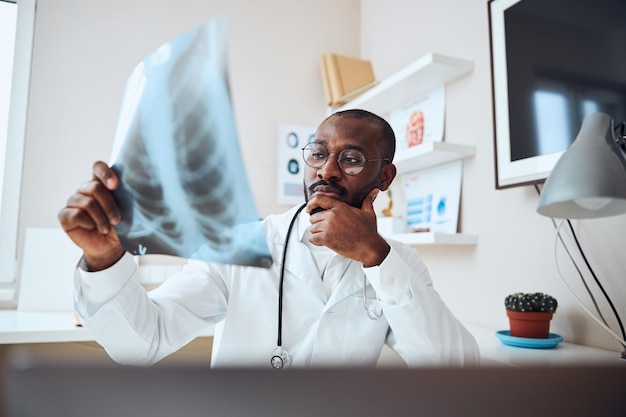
[184, 189]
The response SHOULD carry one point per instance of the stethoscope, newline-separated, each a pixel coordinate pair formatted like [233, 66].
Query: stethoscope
[280, 358]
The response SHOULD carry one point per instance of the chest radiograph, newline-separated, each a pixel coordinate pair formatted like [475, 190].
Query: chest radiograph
[184, 189]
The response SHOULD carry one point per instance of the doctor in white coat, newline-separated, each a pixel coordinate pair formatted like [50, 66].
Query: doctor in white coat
[336, 293]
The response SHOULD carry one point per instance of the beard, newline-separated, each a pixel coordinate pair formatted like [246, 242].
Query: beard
[355, 200]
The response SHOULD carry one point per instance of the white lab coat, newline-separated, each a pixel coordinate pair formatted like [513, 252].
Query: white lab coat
[321, 326]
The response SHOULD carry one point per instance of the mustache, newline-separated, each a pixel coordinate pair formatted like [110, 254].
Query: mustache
[328, 184]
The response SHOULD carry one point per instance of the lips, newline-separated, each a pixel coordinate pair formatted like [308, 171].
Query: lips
[327, 190]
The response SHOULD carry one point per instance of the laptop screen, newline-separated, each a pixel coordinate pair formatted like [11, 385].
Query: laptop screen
[102, 389]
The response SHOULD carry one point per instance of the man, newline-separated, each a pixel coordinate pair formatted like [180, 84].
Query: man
[336, 293]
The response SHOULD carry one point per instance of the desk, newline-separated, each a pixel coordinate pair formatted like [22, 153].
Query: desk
[494, 352]
[17, 327]
[21, 327]
[40, 327]
[55, 335]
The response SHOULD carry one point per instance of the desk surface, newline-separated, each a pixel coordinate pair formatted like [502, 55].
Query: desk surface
[44, 327]
[40, 327]
[48, 327]
[494, 352]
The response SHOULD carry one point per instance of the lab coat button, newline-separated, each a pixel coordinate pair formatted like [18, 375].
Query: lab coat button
[391, 282]
[328, 293]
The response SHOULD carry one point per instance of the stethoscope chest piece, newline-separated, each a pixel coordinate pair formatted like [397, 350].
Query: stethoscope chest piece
[280, 358]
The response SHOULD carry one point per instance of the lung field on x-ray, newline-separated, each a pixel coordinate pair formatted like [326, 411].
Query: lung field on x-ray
[144, 209]
[199, 161]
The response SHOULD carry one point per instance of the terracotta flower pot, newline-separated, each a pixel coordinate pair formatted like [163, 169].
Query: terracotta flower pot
[530, 324]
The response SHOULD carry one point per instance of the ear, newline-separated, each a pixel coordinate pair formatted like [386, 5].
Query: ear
[386, 176]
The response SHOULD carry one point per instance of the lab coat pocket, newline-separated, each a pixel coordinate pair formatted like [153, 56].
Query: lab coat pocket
[371, 305]
[366, 335]
[365, 306]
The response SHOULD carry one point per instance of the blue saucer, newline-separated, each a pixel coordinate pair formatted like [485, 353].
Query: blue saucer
[551, 342]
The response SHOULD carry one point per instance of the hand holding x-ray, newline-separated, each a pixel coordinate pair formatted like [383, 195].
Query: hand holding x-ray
[184, 189]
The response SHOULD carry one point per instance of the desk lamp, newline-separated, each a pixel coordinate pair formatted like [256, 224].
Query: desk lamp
[589, 180]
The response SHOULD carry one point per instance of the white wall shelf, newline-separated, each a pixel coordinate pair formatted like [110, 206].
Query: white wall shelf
[420, 77]
[435, 238]
[405, 86]
[430, 154]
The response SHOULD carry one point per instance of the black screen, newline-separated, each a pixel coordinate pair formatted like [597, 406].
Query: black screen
[565, 59]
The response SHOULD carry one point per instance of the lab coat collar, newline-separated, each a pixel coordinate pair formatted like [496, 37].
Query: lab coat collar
[300, 263]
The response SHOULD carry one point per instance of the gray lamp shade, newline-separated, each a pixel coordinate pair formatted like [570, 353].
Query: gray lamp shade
[589, 180]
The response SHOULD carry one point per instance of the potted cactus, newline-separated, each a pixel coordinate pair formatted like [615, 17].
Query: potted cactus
[530, 314]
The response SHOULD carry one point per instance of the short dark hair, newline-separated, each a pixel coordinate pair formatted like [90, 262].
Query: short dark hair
[387, 143]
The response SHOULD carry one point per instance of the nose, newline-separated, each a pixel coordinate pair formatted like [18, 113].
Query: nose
[331, 169]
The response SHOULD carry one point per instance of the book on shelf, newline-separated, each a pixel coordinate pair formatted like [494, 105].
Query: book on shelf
[345, 77]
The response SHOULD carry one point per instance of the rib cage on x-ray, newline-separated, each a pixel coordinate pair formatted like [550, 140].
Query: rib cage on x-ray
[184, 190]
[204, 180]
[143, 194]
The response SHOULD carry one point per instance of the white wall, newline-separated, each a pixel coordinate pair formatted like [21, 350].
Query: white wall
[85, 50]
[515, 251]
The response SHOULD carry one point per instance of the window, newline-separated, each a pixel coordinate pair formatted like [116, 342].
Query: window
[8, 21]
[17, 20]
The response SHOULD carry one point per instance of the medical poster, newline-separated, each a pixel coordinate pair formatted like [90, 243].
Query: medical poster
[432, 197]
[291, 139]
[184, 189]
[420, 121]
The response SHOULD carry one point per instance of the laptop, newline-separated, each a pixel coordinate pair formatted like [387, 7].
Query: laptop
[99, 389]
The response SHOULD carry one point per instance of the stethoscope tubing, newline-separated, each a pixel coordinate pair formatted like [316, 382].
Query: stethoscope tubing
[282, 277]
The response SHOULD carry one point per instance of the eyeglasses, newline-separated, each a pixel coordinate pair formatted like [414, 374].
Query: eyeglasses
[351, 161]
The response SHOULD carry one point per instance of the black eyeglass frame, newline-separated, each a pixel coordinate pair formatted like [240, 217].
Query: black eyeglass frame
[339, 159]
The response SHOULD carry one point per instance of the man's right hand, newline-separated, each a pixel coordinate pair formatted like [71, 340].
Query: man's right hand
[89, 217]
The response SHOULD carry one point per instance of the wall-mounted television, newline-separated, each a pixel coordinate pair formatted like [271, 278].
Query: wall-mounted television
[553, 62]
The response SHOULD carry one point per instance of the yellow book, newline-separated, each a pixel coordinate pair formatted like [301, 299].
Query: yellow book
[329, 92]
[345, 78]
